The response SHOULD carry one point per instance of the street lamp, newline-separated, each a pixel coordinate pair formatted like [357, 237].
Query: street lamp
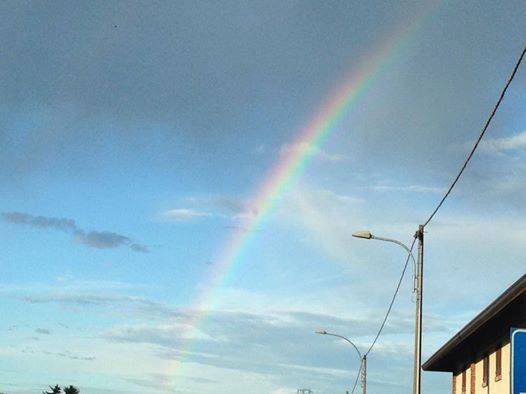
[362, 372]
[418, 274]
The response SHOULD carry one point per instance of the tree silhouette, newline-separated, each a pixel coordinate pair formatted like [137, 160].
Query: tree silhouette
[71, 390]
[54, 390]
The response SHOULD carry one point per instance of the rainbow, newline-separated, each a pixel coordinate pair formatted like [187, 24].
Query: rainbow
[290, 166]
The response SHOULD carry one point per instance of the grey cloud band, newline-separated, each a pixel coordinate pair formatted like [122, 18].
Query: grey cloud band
[94, 239]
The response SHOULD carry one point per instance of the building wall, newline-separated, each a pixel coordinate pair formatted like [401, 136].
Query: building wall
[494, 386]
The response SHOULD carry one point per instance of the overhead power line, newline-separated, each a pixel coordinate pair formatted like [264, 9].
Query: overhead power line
[356, 380]
[488, 121]
[393, 299]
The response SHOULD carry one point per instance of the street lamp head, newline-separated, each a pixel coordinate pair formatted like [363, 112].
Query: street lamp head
[321, 332]
[363, 234]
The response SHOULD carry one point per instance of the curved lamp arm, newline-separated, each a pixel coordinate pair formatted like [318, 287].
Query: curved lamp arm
[402, 245]
[362, 358]
[368, 235]
[344, 338]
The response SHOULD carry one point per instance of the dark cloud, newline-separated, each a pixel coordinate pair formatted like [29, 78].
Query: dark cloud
[43, 331]
[223, 321]
[140, 306]
[219, 69]
[40, 221]
[232, 204]
[71, 356]
[102, 239]
[65, 354]
[88, 299]
[227, 205]
[139, 248]
[75, 299]
[94, 239]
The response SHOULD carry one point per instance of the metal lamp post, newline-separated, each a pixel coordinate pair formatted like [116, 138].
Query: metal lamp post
[363, 359]
[419, 274]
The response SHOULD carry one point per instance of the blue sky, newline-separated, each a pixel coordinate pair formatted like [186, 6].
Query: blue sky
[134, 135]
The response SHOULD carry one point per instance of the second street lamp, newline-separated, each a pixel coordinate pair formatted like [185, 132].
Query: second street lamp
[418, 274]
[362, 372]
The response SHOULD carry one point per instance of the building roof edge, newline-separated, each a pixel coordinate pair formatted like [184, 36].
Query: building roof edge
[511, 293]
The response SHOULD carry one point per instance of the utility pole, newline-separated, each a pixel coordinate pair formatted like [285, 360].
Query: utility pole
[418, 322]
[364, 374]
[419, 285]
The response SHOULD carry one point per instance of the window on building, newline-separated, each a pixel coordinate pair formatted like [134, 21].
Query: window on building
[485, 371]
[498, 364]
[463, 381]
[473, 378]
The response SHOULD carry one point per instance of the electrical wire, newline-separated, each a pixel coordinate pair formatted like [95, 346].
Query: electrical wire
[356, 381]
[488, 121]
[455, 180]
[393, 299]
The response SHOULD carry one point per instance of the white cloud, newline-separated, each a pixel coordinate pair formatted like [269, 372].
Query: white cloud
[408, 188]
[234, 208]
[499, 145]
[337, 197]
[185, 213]
[260, 149]
[324, 217]
[274, 339]
[74, 286]
[311, 150]
[283, 390]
